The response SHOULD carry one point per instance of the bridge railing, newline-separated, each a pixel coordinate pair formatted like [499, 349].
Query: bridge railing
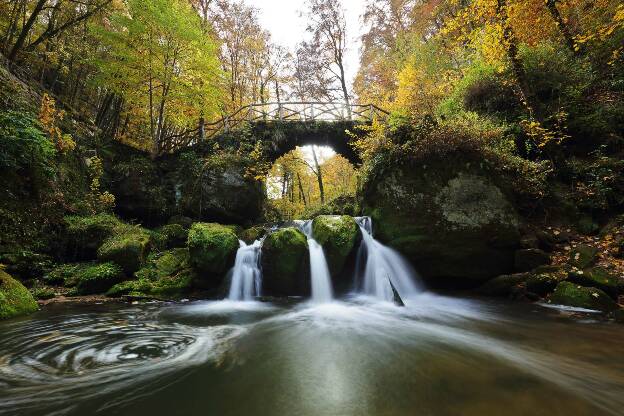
[273, 112]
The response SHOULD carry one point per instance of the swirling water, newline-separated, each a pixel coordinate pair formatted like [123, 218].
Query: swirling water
[360, 356]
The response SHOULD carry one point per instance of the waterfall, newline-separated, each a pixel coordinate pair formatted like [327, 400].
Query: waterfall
[246, 274]
[319, 271]
[381, 271]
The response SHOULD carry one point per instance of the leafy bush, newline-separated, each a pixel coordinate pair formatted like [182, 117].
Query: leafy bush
[23, 146]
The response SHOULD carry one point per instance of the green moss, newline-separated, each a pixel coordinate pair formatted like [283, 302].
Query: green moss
[166, 275]
[212, 248]
[15, 299]
[97, 278]
[570, 294]
[24, 264]
[284, 256]
[43, 293]
[338, 235]
[128, 249]
[252, 234]
[87, 233]
[170, 236]
[542, 283]
[597, 277]
[583, 256]
[65, 274]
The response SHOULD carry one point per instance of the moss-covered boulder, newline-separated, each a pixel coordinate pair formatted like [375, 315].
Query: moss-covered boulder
[212, 249]
[170, 236]
[128, 248]
[571, 294]
[85, 234]
[254, 233]
[529, 259]
[338, 235]
[598, 277]
[285, 263]
[43, 293]
[15, 299]
[93, 279]
[542, 283]
[583, 256]
[166, 275]
[452, 217]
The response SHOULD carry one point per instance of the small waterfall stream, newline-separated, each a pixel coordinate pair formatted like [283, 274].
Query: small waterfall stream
[380, 271]
[319, 271]
[246, 274]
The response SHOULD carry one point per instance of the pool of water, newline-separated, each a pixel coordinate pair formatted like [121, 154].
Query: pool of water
[437, 356]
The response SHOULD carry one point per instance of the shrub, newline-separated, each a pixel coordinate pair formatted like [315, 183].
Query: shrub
[23, 146]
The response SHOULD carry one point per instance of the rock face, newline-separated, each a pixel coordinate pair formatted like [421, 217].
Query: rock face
[338, 235]
[597, 277]
[285, 263]
[226, 197]
[570, 294]
[128, 248]
[15, 299]
[212, 249]
[449, 218]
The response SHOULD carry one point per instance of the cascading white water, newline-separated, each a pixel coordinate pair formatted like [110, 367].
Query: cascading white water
[379, 268]
[319, 271]
[246, 274]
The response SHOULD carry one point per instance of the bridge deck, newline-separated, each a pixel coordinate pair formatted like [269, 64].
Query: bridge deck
[303, 111]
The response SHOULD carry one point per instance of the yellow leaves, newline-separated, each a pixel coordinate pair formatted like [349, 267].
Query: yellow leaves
[99, 201]
[49, 117]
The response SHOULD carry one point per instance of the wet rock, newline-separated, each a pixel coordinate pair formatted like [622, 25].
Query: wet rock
[598, 277]
[583, 256]
[529, 259]
[285, 263]
[571, 294]
[212, 249]
[15, 299]
[542, 283]
[502, 285]
[128, 248]
[338, 235]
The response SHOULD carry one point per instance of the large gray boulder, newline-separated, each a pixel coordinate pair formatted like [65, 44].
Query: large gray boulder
[450, 218]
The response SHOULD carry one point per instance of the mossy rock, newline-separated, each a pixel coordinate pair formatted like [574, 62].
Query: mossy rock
[65, 274]
[598, 277]
[502, 285]
[86, 234]
[285, 262]
[15, 299]
[185, 222]
[542, 283]
[97, 278]
[338, 235]
[170, 236]
[452, 218]
[571, 294]
[583, 256]
[129, 249]
[252, 234]
[166, 275]
[212, 249]
[25, 265]
[43, 293]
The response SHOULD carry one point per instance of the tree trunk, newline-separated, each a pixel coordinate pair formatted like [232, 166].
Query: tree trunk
[551, 5]
[301, 190]
[26, 29]
[319, 176]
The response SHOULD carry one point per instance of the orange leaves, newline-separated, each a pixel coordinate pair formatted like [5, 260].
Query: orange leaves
[49, 117]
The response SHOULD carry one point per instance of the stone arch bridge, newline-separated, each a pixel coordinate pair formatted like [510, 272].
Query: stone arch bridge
[283, 126]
